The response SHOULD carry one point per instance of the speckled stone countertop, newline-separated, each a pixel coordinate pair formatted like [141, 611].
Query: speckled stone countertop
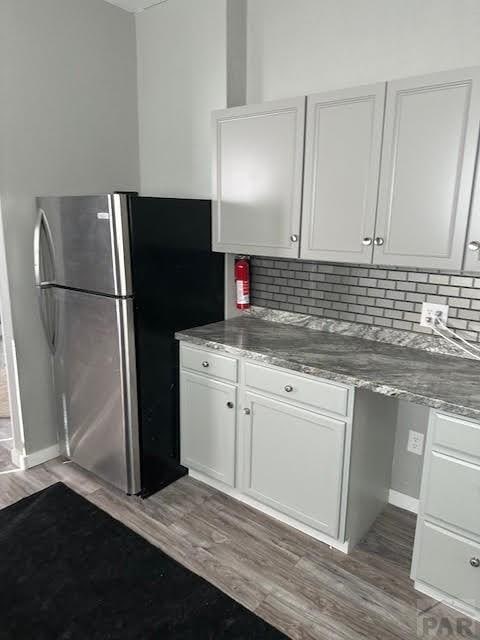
[440, 381]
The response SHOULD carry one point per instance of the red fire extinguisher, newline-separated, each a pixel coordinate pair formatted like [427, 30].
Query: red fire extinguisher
[242, 282]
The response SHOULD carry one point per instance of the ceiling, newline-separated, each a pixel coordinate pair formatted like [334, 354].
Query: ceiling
[135, 5]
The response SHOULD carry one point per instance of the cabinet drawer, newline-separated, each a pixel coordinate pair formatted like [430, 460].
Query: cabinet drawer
[453, 492]
[295, 388]
[444, 562]
[456, 434]
[209, 363]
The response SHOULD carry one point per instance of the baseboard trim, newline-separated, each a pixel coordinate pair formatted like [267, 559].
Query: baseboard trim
[34, 459]
[403, 501]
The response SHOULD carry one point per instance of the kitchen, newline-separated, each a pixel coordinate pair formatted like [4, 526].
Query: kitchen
[356, 271]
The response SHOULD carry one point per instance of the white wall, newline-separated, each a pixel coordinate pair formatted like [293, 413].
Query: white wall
[181, 50]
[68, 125]
[304, 46]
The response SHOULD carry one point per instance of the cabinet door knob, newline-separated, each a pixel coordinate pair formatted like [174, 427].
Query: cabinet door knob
[475, 562]
[294, 237]
[288, 388]
[230, 405]
[367, 242]
[474, 245]
[246, 412]
[205, 364]
[378, 242]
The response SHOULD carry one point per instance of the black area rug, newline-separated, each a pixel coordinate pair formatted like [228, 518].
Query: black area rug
[68, 571]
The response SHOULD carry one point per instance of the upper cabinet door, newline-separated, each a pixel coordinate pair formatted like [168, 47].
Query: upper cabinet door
[430, 140]
[257, 178]
[342, 163]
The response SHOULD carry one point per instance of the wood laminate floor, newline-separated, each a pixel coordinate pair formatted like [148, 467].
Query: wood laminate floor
[297, 584]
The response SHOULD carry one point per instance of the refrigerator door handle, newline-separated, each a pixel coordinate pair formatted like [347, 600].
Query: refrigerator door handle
[48, 317]
[42, 229]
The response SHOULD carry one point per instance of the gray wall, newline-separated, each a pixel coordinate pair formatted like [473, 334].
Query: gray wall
[181, 48]
[68, 125]
[314, 45]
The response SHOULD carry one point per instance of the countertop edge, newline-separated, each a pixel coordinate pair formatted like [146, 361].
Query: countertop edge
[327, 374]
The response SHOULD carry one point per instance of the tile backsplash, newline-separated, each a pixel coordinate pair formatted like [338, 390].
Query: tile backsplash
[381, 296]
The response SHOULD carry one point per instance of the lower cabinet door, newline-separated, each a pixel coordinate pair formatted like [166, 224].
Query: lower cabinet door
[449, 563]
[292, 460]
[207, 426]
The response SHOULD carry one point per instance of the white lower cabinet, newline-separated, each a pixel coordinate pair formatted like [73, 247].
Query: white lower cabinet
[208, 418]
[446, 558]
[292, 461]
[286, 443]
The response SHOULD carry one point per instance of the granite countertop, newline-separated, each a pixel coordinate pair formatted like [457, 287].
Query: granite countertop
[444, 382]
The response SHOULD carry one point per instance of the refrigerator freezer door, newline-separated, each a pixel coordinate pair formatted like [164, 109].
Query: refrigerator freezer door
[94, 361]
[87, 239]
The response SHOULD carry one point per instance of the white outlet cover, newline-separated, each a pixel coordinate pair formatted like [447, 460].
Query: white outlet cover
[431, 311]
[415, 442]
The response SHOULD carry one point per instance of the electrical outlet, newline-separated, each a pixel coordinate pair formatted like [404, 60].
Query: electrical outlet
[415, 442]
[431, 311]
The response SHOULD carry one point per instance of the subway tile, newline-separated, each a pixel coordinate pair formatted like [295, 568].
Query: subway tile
[436, 278]
[375, 311]
[461, 281]
[459, 302]
[406, 286]
[455, 323]
[386, 284]
[417, 277]
[414, 297]
[356, 308]
[378, 273]
[404, 306]
[364, 319]
[367, 282]
[349, 317]
[332, 314]
[376, 292]
[427, 288]
[299, 308]
[391, 313]
[397, 275]
[466, 314]
[412, 317]
[402, 324]
[470, 293]
[395, 295]
[383, 322]
[437, 299]
[385, 304]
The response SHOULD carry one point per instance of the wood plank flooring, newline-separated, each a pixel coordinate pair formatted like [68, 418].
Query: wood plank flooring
[302, 587]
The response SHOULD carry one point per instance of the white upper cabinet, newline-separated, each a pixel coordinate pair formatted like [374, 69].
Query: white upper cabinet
[428, 162]
[257, 178]
[342, 162]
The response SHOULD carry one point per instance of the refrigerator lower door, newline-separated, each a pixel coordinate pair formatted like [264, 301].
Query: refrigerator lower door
[82, 242]
[95, 382]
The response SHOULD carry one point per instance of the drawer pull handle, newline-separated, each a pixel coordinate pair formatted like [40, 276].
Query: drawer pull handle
[246, 412]
[205, 364]
[230, 405]
[288, 388]
[475, 562]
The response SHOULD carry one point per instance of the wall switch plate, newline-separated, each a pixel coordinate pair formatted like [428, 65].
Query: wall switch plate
[415, 442]
[431, 311]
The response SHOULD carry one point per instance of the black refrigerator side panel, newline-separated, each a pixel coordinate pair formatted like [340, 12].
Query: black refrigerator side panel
[178, 283]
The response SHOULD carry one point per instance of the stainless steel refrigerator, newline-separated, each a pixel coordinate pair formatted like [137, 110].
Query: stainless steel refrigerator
[116, 276]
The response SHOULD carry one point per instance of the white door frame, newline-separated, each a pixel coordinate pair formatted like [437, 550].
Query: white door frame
[10, 353]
